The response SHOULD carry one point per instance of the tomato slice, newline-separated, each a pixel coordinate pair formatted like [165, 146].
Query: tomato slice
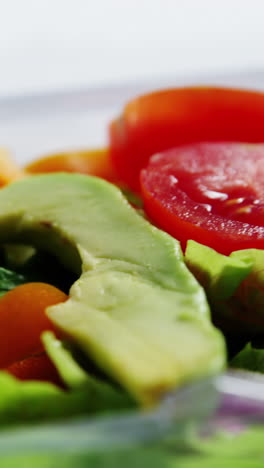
[165, 119]
[209, 192]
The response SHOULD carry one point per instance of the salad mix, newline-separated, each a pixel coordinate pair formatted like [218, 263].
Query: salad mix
[132, 271]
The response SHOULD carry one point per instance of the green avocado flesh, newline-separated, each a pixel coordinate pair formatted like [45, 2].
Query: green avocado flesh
[234, 286]
[136, 310]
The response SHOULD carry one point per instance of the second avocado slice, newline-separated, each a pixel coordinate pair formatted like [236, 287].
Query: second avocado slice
[136, 309]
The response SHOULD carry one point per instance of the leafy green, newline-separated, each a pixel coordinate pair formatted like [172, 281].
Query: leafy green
[39, 402]
[249, 358]
[22, 264]
[31, 401]
[131, 458]
[247, 444]
[78, 444]
[22, 402]
[9, 280]
[244, 450]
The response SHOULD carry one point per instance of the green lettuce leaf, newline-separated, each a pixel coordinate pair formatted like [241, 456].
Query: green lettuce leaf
[249, 358]
[134, 458]
[38, 267]
[244, 450]
[30, 401]
[22, 402]
[9, 280]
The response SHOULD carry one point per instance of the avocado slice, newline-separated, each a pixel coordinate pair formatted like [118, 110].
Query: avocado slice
[136, 310]
[234, 286]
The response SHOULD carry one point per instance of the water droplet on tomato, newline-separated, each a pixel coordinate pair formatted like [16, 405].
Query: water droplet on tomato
[173, 180]
[244, 210]
[213, 195]
[235, 201]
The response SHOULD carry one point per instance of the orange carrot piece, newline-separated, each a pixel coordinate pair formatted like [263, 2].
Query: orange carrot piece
[23, 319]
[9, 169]
[90, 162]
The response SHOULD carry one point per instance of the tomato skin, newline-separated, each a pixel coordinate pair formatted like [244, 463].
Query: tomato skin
[177, 187]
[165, 119]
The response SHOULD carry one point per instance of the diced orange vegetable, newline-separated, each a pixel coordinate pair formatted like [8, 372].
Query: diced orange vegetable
[91, 162]
[9, 169]
[36, 367]
[23, 319]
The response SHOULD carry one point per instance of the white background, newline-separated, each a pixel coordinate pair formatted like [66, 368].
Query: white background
[64, 44]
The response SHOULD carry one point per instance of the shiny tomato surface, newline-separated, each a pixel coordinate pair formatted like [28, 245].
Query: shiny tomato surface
[212, 193]
[165, 119]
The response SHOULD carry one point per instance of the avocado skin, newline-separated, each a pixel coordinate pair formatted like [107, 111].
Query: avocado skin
[136, 309]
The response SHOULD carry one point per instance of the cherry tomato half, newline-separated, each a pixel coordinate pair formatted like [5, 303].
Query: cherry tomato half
[165, 119]
[209, 192]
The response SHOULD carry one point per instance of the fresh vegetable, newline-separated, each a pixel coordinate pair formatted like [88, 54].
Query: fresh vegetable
[136, 321]
[165, 119]
[9, 170]
[102, 394]
[29, 401]
[243, 451]
[208, 192]
[43, 267]
[250, 358]
[91, 162]
[250, 293]
[23, 318]
[24, 402]
[134, 292]
[234, 287]
[9, 280]
[219, 275]
[36, 367]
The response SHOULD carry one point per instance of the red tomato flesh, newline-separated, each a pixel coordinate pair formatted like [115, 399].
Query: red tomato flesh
[161, 120]
[36, 367]
[209, 192]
